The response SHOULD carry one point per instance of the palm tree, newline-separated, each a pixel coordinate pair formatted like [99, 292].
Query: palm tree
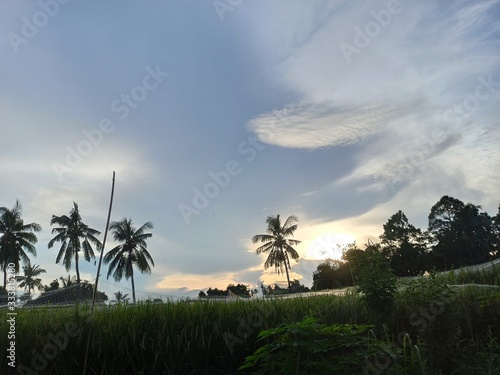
[132, 252]
[29, 280]
[278, 245]
[75, 236]
[16, 238]
[120, 297]
[67, 281]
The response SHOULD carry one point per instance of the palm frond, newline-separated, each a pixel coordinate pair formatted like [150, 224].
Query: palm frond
[277, 245]
[132, 252]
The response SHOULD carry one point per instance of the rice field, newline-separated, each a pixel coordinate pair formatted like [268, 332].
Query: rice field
[456, 330]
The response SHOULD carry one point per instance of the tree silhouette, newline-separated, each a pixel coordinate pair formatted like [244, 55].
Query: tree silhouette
[463, 235]
[75, 237]
[132, 252]
[68, 281]
[277, 245]
[54, 285]
[120, 297]
[496, 228]
[332, 274]
[29, 280]
[404, 245]
[17, 239]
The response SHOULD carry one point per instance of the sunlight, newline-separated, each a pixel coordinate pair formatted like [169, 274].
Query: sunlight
[192, 281]
[328, 246]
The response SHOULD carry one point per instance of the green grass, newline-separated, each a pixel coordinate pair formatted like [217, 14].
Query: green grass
[451, 330]
[174, 337]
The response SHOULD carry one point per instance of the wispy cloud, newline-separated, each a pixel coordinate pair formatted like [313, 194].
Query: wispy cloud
[317, 125]
[309, 193]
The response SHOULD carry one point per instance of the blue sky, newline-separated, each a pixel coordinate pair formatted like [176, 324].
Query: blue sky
[338, 112]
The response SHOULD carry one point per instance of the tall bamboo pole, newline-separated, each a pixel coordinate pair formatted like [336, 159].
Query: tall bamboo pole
[91, 325]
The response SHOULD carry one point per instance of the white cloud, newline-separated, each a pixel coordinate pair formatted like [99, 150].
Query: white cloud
[309, 193]
[317, 125]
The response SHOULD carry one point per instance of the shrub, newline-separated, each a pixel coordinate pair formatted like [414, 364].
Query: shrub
[309, 347]
[377, 282]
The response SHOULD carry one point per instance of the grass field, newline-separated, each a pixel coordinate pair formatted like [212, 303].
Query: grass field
[456, 331]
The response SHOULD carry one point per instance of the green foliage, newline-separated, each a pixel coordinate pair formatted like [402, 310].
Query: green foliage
[310, 347]
[275, 290]
[239, 289]
[464, 235]
[54, 285]
[295, 287]
[207, 337]
[120, 297]
[153, 300]
[404, 245]
[426, 288]
[375, 280]
[487, 276]
[68, 281]
[242, 290]
[332, 274]
[216, 292]
[482, 358]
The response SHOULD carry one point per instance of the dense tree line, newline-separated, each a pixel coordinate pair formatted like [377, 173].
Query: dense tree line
[240, 290]
[295, 287]
[458, 235]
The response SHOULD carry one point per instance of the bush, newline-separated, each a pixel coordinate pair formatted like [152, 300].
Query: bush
[376, 281]
[309, 347]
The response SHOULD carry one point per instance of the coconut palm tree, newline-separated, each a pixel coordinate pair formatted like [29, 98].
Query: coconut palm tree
[75, 237]
[68, 281]
[132, 252]
[29, 280]
[278, 245]
[16, 238]
[120, 297]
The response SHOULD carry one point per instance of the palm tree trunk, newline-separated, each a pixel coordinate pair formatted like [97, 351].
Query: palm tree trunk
[133, 286]
[286, 269]
[77, 269]
[288, 278]
[78, 278]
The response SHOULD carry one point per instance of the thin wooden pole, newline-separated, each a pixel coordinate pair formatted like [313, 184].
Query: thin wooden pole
[97, 277]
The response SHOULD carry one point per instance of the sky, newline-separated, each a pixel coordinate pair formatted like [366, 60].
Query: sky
[217, 114]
